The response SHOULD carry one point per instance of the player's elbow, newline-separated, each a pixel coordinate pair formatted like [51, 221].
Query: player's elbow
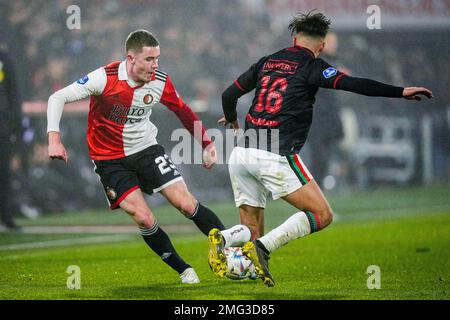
[51, 99]
[56, 98]
[227, 97]
[229, 102]
[231, 94]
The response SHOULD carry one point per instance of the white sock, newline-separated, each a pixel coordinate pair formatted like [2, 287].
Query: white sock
[295, 227]
[236, 236]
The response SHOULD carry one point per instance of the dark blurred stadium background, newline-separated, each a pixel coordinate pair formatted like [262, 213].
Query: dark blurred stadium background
[205, 45]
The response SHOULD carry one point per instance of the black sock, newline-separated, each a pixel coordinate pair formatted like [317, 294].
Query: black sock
[205, 219]
[261, 246]
[160, 243]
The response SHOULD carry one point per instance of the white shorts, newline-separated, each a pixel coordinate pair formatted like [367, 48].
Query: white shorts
[254, 173]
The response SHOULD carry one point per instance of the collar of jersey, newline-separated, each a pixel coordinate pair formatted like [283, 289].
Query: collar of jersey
[123, 71]
[123, 75]
[306, 49]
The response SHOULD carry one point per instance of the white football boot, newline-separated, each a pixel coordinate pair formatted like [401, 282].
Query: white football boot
[189, 276]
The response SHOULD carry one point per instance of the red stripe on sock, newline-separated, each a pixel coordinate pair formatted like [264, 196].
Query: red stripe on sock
[317, 220]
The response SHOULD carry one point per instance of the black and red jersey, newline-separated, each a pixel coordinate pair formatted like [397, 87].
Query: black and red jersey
[285, 84]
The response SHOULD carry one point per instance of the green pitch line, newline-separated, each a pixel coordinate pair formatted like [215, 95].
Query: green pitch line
[412, 253]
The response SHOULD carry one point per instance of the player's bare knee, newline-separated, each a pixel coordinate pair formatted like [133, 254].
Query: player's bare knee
[143, 218]
[188, 206]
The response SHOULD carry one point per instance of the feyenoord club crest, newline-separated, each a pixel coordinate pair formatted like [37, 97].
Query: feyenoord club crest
[111, 193]
[148, 98]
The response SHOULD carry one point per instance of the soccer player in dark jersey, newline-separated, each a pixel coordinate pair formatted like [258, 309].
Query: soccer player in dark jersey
[285, 84]
[123, 146]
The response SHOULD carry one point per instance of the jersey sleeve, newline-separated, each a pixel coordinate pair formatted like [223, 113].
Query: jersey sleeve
[91, 85]
[245, 83]
[184, 113]
[323, 74]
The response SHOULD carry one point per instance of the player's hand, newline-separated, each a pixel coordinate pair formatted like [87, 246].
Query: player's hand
[209, 156]
[56, 149]
[413, 93]
[233, 125]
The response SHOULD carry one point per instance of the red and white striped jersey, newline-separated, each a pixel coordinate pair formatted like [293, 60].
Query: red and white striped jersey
[119, 112]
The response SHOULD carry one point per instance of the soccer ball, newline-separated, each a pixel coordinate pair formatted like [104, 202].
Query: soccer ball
[239, 266]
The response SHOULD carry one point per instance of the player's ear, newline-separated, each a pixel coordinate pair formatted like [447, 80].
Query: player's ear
[322, 46]
[130, 57]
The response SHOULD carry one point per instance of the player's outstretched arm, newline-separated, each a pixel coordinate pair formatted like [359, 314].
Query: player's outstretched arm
[414, 93]
[325, 76]
[374, 88]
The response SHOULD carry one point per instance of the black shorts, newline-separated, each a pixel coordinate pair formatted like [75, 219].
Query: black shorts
[151, 170]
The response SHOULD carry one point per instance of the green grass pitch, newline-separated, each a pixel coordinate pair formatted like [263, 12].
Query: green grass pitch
[412, 252]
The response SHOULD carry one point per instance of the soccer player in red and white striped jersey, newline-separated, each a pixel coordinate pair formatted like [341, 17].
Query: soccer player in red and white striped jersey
[123, 146]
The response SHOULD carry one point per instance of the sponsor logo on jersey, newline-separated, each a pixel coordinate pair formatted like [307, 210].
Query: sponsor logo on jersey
[148, 99]
[121, 114]
[111, 193]
[329, 72]
[261, 122]
[280, 66]
[83, 80]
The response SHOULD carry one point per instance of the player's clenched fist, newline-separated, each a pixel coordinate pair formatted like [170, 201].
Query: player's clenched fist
[209, 156]
[56, 149]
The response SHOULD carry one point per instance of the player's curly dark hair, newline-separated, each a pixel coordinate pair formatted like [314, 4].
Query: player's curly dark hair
[311, 24]
[138, 39]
